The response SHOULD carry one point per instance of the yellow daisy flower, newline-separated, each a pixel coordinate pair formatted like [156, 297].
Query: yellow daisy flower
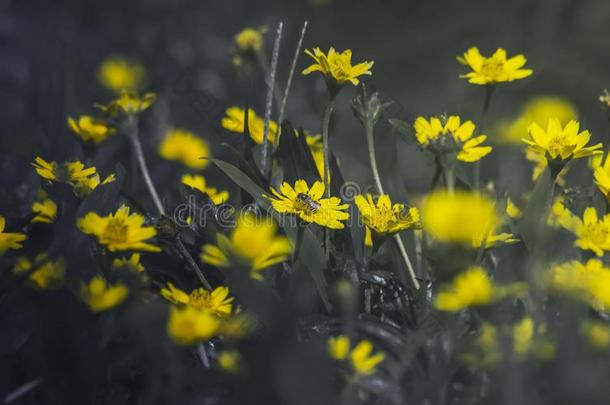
[384, 218]
[589, 282]
[337, 67]
[361, 357]
[89, 129]
[9, 240]
[451, 136]
[198, 182]
[100, 296]
[592, 233]
[560, 144]
[119, 74]
[48, 273]
[45, 210]
[83, 179]
[128, 103]
[119, 231]
[187, 325]
[218, 301]
[463, 217]
[253, 242]
[250, 39]
[494, 69]
[131, 263]
[186, 147]
[473, 288]
[309, 205]
[234, 122]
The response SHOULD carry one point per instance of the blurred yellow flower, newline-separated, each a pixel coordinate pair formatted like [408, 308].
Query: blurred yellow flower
[463, 217]
[187, 325]
[119, 74]
[234, 122]
[384, 218]
[512, 210]
[132, 263]
[538, 110]
[217, 302]
[119, 231]
[250, 39]
[337, 67]
[561, 216]
[89, 129]
[47, 274]
[45, 210]
[198, 182]
[100, 296]
[361, 357]
[128, 103]
[494, 69]
[473, 288]
[523, 336]
[253, 242]
[449, 135]
[309, 205]
[83, 179]
[589, 282]
[601, 173]
[230, 361]
[597, 333]
[186, 147]
[9, 240]
[560, 144]
[592, 233]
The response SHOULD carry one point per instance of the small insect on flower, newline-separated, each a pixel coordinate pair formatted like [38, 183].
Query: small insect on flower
[9, 240]
[186, 147]
[494, 69]
[307, 203]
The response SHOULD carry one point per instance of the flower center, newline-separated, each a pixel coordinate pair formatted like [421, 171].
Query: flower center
[597, 233]
[200, 299]
[116, 231]
[492, 67]
[561, 144]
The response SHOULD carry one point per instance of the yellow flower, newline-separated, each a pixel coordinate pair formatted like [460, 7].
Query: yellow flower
[119, 74]
[253, 242]
[485, 350]
[309, 205]
[560, 144]
[230, 360]
[314, 142]
[100, 296]
[187, 325]
[473, 288]
[337, 67]
[132, 263]
[250, 39]
[512, 210]
[119, 231]
[540, 165]
[385, 218]
[82, 179]
[463, 217]
[128, 103]
[601, 173]
[47, 274]
[361, 357]
[597, 333]
[561, 216]
[523, 336]
[89, 129]
[234, 122]
[198, 182]
[493, 69]
[45, 210]
[450, 135]
[538, 110]
[186, 147]
[87, 185]
[592, 233]
[9, 240]
[217, 302]
[588, 282]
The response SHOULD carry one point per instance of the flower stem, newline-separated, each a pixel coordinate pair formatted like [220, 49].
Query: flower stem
[269, 100]
[192, 263]
[489, 91]
[368, 129]
[328, 111]
[132, 133]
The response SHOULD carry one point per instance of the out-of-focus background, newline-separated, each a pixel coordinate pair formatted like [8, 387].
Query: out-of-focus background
[50, 52]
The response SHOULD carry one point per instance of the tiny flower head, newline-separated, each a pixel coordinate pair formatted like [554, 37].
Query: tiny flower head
[597, 333]
[101, 296]
[128, 103]
[309, 205]
[119, 231]
[360, 358]
[337, 67]
[187, 325]
[45, 210]
[450, 135]
[44, 273]
[198, 182]
[230, 361]
[185, 147]
[494, 69]
[384, 218]
[119, 74]
[250, 39]
[89, 129]
[217, 301]
[234, 121]
[592, 233]
[131, 263]
[9, 240]
[253, 243]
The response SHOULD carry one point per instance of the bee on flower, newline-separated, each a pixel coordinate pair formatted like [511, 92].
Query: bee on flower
[493, 69]
[186, 147]
[451, 136]
[307, 203]
[383, 218]
[198, 182]
[9, 240]
[360, 358]
[217, 301]
[118, 74]
[101, 296]
[234, 121]
[89, 129]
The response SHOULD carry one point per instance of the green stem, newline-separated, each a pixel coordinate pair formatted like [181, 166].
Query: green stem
[328, 111]
[185, 253]
[489, 91]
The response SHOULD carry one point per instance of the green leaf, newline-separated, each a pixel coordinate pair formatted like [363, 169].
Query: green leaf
[532, 226]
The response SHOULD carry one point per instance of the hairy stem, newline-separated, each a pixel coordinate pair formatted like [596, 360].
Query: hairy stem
[192, 263]
[269, 100]
[328, 111]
